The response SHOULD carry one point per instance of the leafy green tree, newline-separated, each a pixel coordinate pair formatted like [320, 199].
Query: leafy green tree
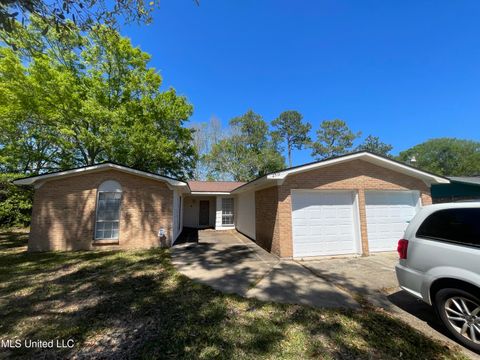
[445, 156]
[61, 14]
[291, 130]
[375, 145]
[84, 99]
[15, 202]
[248, 153]
[334, 138]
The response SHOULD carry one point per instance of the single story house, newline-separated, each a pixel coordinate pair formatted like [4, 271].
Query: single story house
[358, 203]
[459, 188]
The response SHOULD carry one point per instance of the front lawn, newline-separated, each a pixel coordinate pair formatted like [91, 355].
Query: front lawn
[134, 304]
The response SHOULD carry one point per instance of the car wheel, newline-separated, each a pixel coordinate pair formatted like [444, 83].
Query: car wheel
[460, 313]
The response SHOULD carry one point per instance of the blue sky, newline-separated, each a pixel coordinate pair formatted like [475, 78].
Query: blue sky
[405, 71]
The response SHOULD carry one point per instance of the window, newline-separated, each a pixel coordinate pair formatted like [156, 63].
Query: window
[108, 210]
[227, 211]
[453, 225]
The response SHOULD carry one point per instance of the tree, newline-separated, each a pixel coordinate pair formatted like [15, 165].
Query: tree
[84, 99]
[333, 138]
[15, 202]
[445, 156]
[292, 131]
[84, 14]
[205, 136]
[247, 153]
[374, 145]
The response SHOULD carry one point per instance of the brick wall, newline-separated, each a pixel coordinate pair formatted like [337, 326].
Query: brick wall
[356, 175]
[266, 231]
[63, 216]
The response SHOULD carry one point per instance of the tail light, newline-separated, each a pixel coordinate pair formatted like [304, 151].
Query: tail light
[402, 248]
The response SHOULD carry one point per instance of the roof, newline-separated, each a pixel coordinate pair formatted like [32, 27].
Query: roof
[31, 180]
[474, 180]
[214, 186]
[279, 176]
[227, 187]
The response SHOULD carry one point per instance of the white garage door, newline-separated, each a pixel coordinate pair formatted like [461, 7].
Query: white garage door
[388, 214]
[323, 223]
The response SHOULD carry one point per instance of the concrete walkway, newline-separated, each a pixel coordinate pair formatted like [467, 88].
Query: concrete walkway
[232, 263]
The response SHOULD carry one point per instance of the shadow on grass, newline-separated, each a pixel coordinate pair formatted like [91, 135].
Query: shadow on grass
[135, 305]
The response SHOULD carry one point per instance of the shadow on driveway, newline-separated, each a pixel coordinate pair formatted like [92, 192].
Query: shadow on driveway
[232, 263]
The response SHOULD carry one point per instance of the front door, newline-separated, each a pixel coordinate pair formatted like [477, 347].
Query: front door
[204, 219]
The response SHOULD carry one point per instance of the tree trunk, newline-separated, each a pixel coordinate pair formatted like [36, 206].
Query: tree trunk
[289, 155]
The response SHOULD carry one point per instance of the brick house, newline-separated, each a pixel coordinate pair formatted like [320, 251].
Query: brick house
[353, 204]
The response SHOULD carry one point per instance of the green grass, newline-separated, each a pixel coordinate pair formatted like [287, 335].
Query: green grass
[134, 304]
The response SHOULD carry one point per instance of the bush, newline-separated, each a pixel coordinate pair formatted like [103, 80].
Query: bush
[15, 202]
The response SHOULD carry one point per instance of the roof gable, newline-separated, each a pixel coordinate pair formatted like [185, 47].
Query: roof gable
[32, 180]
[279, 176]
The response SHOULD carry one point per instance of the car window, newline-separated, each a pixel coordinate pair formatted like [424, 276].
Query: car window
[456, 225]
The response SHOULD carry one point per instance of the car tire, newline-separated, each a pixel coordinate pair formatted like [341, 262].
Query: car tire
[459, 311]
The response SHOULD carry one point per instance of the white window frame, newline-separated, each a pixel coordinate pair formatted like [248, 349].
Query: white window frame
[107, 187]
[232, 214]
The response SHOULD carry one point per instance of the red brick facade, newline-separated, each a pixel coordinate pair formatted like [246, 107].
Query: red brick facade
[275, 230]
[63, 216]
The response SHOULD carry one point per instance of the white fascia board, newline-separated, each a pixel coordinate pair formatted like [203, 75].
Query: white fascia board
[209, 193]
[372, 158]
[94, 168]
[258, 184]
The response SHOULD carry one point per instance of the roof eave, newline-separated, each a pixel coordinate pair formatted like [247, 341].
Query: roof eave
[99, 167]
[211, 192]
[366, 156]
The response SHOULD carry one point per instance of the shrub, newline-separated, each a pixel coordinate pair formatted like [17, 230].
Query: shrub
[15, 202]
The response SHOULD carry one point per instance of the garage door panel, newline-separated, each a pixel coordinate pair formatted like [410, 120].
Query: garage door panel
[388, 214]
[322, 223]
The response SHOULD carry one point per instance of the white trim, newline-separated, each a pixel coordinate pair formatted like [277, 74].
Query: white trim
[357, 223]
[117, 239]
[100, 167]
[278, 177]
[367, 157]
[219, 213]
[209, 193]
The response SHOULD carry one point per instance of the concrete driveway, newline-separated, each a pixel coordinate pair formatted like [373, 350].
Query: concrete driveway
[232, 263]
[368, 276]
[373, 277]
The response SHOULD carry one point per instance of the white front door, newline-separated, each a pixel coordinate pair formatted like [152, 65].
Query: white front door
[323, 223]
[388, 215]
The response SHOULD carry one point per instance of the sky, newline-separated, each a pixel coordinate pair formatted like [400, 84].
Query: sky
[405, 71]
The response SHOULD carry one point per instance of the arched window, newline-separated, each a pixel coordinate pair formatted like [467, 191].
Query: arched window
[108, 210]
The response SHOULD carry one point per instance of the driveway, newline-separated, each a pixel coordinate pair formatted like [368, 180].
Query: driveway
[373, 278]
[232, 263]
[368, 276]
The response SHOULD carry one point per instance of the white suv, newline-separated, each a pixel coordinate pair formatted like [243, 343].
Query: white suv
[440, 264]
